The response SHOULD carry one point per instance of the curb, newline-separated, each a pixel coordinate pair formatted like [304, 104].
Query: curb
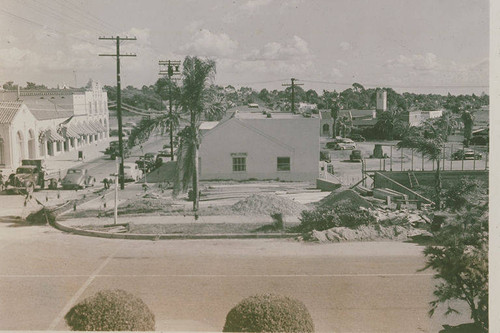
[101, 234]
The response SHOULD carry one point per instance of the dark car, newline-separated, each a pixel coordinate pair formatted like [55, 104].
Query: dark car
[355, 156]
[466, 154]
[357, 138]
[77, 178]
[324, 156]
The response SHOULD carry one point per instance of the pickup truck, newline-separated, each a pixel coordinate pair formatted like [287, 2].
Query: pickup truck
[30, 175]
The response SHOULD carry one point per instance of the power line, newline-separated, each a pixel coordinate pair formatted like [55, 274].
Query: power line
[398, 86]
[119, 97]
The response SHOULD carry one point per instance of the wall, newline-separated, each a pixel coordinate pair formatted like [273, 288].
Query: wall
[24, 121]
[426, 178]
[295, 138]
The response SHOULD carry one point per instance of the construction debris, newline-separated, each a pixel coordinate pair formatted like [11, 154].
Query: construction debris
[266, 204]
[346, 196]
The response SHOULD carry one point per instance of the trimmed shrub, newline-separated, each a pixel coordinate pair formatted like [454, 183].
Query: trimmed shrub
[269, 313]
[111, 310]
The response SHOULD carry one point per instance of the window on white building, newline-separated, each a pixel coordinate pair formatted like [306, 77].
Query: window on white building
[283, 163]
[239, 164]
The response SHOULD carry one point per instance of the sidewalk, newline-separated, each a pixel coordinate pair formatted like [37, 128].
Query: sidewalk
[70, 159]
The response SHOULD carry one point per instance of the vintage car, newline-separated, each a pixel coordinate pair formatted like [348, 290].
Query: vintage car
[466, 154]
[345, 144]
[131, 172]
[77, 178]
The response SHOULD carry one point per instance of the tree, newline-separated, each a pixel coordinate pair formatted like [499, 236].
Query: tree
[385, 124]
[195, 74]
[468, 120]
[9, 85]
[334, 111]
[34, 86]
[429, 141]
[460, 260]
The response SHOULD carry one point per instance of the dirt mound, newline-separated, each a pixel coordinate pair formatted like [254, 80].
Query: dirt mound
[42, 216]
[345, 196]
[265, 204]
[363, 233]
[144, 205]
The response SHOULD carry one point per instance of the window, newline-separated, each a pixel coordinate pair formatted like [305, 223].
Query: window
[283, 163]
[239, 164]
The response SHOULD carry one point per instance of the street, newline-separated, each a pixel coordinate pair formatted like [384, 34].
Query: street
[192, 285]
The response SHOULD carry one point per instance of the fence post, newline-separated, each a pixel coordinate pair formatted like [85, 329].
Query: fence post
[451, 157]
[402, 149]
[391, 158]
[412, 159]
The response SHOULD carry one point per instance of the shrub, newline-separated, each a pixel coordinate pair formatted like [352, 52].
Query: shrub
[341, 215]
[111, 310]
[269, 313]
[465, 194]
[43, 216]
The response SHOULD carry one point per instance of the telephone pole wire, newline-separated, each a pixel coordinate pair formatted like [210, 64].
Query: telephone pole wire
[119, 98]
[172, 69]
[293, 91]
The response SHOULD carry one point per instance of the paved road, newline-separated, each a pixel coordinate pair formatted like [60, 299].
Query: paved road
[191, 285]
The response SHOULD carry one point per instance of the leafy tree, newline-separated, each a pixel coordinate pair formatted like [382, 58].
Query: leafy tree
[429, 141]
[9, 85]
[34, 86]
[386, 123]
[466, 194]
[460, 260]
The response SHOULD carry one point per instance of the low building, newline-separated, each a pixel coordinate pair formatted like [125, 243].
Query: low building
[253, 145]
[418, 117]
[40, 124]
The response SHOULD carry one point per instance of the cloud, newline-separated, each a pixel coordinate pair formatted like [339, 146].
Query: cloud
[416, 62]
[251, 5]
[207, 43]
[345, 46]
[335, 72]
[296, 48]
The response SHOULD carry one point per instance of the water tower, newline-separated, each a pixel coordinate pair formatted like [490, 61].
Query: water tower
[381, 100]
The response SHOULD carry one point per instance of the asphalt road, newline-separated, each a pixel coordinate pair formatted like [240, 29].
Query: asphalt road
[192, 285]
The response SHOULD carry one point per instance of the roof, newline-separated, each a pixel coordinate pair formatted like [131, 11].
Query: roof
[208, 125]
[249, 108]
[364, 122]
[355, 113]
[8, 111]
[274, 115]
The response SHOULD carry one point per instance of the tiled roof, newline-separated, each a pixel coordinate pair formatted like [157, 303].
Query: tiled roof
[8, 111]
[46, 114]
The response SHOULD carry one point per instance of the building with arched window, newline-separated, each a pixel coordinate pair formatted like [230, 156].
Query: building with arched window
[42, 124]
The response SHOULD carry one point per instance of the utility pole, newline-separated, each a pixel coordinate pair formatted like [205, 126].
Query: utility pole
[119, 97]
[293, 91]
[172, 69]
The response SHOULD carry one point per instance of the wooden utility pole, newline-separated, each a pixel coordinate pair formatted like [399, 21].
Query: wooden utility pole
[172, 69]
[293, 91]
[119, 98]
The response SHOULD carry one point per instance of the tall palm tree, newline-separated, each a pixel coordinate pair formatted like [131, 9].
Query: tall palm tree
[429, 141]
[196, 73]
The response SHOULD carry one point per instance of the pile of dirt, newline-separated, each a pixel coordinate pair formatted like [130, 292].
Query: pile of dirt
[266, 204]
[363, 233]
[344, 197]
[147, 204]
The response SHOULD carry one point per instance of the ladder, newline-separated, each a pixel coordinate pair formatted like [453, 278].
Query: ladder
[413, 179]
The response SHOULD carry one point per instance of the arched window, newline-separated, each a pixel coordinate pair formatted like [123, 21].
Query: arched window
[31, 144]
[326, 129]
[20, 145]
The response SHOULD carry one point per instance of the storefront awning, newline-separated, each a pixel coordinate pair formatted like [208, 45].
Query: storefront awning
[53, 136]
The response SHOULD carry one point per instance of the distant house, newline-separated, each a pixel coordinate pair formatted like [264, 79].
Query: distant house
[253, 145]
[418, 117]
[325, 123]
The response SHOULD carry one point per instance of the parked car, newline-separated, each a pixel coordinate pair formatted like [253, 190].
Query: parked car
[357, 137]
[131, 172]
[324, 155]
[331, 144]
[355, 156]
[163, 157]
[77, 178]
[345, 144]
[466, 154]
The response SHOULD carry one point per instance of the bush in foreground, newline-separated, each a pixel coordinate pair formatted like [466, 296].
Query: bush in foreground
[111, 310]
[42, 216]
[269, 313]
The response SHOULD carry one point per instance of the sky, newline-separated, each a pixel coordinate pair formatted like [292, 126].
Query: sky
[426, 46]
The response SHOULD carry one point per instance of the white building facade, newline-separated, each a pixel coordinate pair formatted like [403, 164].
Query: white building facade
[41, 124]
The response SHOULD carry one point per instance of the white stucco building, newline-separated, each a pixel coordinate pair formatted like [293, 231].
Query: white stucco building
[40, 124]
[253, 145]
[417, 118]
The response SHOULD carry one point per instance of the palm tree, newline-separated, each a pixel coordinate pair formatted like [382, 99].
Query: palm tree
[429, 141]
[196, 72]
[468, 120]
